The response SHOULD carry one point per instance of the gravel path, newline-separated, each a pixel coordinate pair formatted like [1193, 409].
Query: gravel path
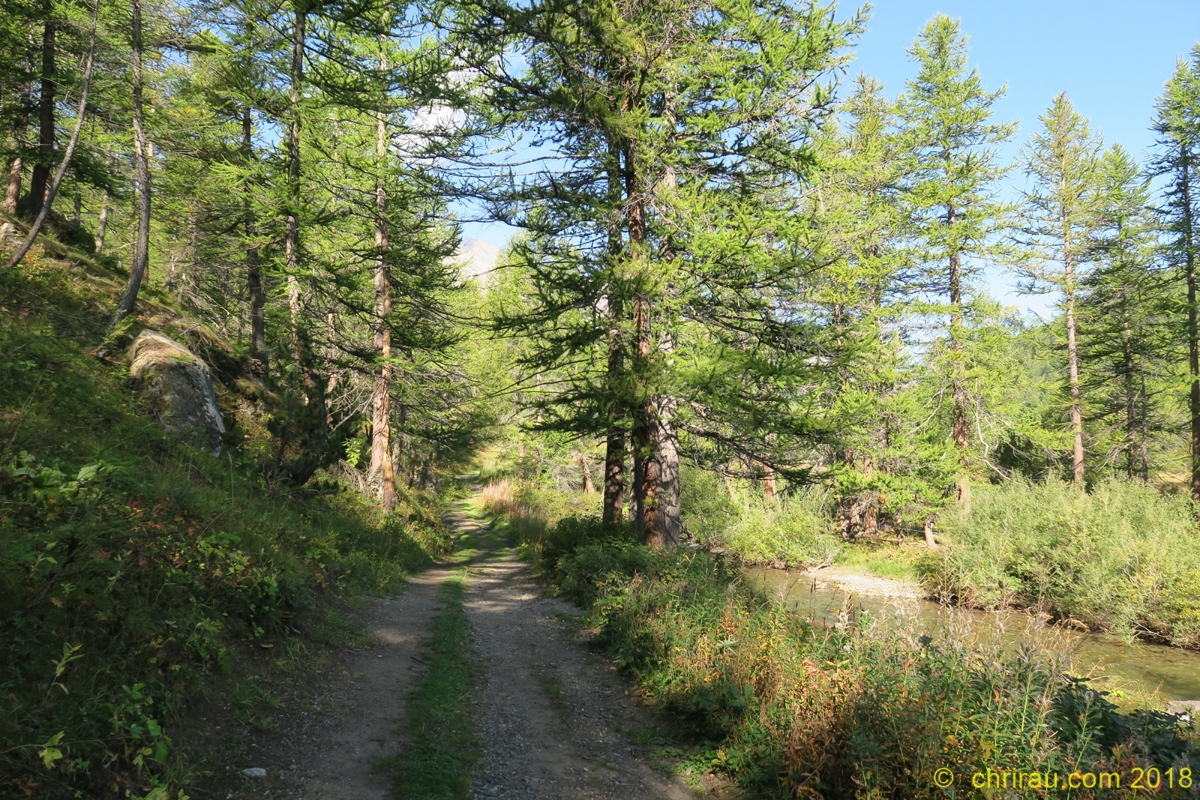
[330, 752]
[554, 719]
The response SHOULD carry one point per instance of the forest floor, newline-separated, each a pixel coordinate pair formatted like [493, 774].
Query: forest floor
[553, 719]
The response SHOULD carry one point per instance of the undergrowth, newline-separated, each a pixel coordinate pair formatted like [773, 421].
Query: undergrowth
[1121, 557]
[862, 709]
[733, 516]
[131, 565]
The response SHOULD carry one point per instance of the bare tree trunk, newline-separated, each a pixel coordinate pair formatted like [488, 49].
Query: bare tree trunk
[769, 488]
[102, 223]
[11, 197]
[588, 486]
[381, 419]
[661, 508]
[13, 193]
[39, 179]
[260, 360]
[928, 527]
[959, 428]
[52, 190]
[141, 159]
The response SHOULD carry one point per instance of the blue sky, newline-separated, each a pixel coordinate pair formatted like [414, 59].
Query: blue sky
[1110, 57]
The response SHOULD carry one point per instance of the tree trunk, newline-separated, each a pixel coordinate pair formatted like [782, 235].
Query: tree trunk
[1144, 415]
[958, 385]
[381, 414]
[614, 475]
[615, 441]
[928, 528]
[260, 360]
[1130, 387]
[661, 507]
[13, 193]
[314, 395]
[102, 223]
[11, 197]
[39, 179]
[1073, 372]
[141, 161]
[769, 488]
[52, 189]
[588, 486]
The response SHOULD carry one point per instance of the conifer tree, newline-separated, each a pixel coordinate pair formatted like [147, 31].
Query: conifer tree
[952, 171]
[686, 127]
[1062, 215]
[1121, 315]
[1177, 162]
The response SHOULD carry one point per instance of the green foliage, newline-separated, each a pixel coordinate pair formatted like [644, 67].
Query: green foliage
[132, 565]
[1121, 557]
[862, 709]
[793, 528]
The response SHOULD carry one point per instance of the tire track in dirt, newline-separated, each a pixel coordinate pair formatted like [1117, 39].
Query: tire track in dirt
[358, 708]
[555, 720]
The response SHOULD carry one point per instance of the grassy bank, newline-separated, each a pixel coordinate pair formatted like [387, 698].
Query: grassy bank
[132, 565]
[1121, 557]
[859, 710]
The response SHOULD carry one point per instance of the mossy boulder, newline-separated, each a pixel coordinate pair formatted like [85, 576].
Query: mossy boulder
[179, 387]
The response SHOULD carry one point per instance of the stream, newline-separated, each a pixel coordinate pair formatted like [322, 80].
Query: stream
[1106, 660]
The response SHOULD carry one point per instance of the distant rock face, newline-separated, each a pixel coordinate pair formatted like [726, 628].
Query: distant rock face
[476, 260]
[179, 385]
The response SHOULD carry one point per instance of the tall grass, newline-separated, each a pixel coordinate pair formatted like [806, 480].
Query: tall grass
[530, 509]
[857, 710]
[787, 530]
[1121, 557]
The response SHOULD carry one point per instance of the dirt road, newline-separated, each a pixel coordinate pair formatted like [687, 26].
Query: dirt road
[553, 717]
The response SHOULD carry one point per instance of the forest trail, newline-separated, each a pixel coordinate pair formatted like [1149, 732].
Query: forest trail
[356, 707]
[553, 719]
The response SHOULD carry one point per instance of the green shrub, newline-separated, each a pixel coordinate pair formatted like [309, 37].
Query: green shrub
[862, 709]
[131, 565]
[793, 528]
[1121, 557]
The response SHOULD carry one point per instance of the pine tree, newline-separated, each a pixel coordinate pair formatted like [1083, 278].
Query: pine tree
[952, 172]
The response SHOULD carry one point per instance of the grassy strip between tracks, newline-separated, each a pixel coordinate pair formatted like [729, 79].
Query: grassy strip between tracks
[442, 747]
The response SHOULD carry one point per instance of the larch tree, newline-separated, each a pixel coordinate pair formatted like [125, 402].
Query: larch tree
[951, 189]
[1121, 336]
[1177, 163]
[664, 254]
[140, 262]
[1061, 217]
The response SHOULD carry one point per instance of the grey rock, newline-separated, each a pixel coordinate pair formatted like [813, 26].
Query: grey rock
[179, 386]
[1184, 708]
[255, 772]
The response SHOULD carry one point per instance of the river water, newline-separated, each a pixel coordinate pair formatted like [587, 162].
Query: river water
[1108, 661]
